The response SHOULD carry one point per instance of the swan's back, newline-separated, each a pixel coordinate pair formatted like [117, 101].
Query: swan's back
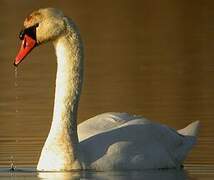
[105, 122]
[123, 141]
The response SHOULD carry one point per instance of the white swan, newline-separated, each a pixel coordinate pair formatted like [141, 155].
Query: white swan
[110, 141]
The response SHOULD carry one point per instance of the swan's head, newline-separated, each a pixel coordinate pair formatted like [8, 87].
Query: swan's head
[40, 26]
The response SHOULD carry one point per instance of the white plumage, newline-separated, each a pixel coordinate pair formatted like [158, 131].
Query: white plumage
[114, 141]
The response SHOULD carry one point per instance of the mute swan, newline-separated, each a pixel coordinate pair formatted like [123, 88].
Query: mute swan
[109, 141]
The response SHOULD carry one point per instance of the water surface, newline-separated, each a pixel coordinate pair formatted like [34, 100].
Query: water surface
[29, 173]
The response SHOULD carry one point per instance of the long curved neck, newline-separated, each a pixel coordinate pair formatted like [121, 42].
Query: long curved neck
[68, 84]
[61, 151]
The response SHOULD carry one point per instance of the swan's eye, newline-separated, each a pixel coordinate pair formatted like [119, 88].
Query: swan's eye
[31, 31]
[21, 35]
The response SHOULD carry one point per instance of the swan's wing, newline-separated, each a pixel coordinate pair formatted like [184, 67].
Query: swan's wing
[135, 144]
[106, 121]
[123, 141]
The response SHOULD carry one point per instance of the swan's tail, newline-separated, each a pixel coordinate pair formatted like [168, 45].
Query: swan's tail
[191, 130]
[190, 138]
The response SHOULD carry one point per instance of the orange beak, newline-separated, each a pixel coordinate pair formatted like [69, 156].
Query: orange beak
[28, 43]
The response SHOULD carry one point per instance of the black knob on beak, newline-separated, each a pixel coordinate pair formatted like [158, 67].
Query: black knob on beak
[30, 31]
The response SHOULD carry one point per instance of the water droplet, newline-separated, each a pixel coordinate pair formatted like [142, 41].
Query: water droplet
[16, 87]
[16, 77]
[12, 164]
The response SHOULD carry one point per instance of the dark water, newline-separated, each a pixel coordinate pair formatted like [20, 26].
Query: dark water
[153, 58]
[28, 173]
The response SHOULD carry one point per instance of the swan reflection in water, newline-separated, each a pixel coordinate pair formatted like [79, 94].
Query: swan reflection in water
[119, 175]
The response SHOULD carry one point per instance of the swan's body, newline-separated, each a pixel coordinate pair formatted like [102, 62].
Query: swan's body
[110, 141]
[114, 141]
